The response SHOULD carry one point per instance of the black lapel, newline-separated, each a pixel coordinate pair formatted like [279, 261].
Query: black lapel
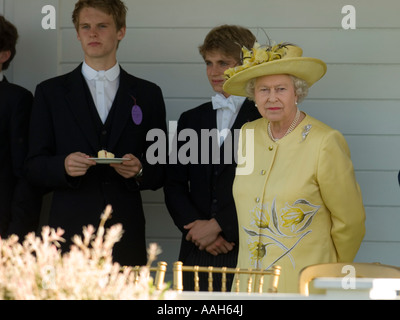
[123, 103]
[209, 118]
[248, 112]
[208, 121]
[77, 102]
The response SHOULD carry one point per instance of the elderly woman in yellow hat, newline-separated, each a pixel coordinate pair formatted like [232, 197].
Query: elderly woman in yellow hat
[301, 204]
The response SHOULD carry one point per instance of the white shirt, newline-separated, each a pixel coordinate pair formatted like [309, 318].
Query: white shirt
[227, 111]
[103, 86]
[1, 76]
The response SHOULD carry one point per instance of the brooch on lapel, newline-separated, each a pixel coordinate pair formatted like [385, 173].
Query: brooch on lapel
[306, 131]
[137, 113]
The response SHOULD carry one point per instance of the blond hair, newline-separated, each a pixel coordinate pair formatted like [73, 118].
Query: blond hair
[115, 8]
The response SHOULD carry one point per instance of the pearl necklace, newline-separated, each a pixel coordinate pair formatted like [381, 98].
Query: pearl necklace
[291, 128]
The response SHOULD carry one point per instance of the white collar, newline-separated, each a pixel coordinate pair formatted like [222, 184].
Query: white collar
[111, 74]
[232, 102]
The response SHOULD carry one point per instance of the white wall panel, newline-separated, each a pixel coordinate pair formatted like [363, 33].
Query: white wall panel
[382, 252]
[362, 116]
[370, 152]
[161, 45]
[382, 224]
[264, 13]
[379, 188]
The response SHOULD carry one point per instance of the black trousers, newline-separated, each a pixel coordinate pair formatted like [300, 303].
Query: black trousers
[204, 259]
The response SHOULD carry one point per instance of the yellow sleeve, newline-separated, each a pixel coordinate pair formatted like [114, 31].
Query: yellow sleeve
[342, 196]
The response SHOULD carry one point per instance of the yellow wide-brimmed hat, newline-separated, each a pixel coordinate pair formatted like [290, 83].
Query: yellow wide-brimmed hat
[270, 60]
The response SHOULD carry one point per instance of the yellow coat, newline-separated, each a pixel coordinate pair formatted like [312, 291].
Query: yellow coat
[301, 204]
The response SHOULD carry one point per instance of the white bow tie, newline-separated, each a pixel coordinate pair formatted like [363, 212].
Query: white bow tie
[220, 102]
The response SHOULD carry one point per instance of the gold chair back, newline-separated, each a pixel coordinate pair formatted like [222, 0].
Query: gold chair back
[335, 270]
[159, 271]
[258, 276]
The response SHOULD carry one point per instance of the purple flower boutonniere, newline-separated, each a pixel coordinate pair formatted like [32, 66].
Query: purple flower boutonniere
[137, 113]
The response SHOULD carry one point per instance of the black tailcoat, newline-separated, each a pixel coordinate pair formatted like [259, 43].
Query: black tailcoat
[18, 201]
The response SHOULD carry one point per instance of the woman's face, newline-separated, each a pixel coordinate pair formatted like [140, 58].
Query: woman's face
[275, 97]
[217, 63]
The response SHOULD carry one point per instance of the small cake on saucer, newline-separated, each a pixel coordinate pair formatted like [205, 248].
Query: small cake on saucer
[103, 154]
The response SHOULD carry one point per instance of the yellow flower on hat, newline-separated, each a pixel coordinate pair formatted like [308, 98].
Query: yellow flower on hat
[258, 55]
[246, 55]
[232, 71]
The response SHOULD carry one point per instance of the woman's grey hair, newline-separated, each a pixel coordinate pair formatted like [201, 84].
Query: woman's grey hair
[300, 86]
